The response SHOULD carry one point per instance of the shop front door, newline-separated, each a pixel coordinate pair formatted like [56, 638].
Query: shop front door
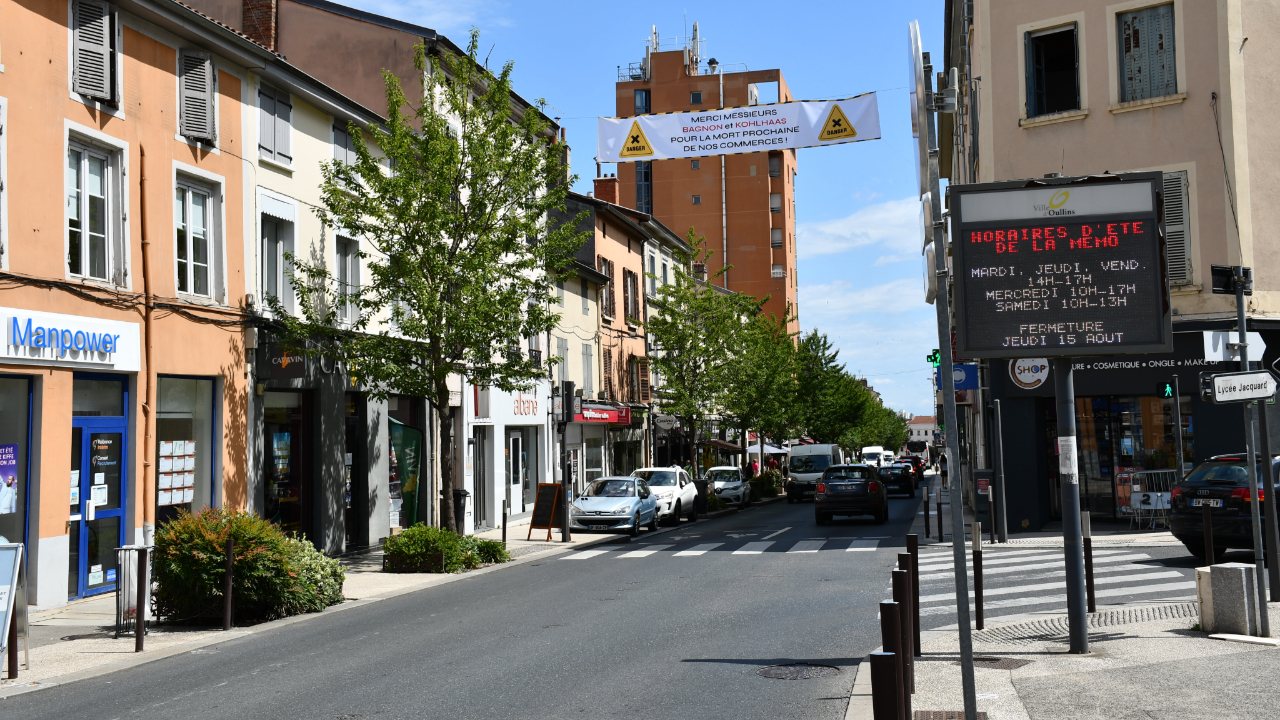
[99, 484]
[515, 472]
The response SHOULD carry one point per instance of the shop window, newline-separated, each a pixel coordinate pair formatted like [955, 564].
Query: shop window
[593, 459]
[184, 446]
[195, 239]
[96, 398]
[1053, 81]
[405, 445]
[1148, 67]
[15, 406]
[93, 214]
[287, 460]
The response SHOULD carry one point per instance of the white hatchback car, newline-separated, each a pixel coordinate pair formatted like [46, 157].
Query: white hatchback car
[728, 483]
[673, 489]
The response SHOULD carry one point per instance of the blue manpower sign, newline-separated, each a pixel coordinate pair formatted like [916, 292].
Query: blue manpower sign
[35, 337]
[965, 376]
[60, 339]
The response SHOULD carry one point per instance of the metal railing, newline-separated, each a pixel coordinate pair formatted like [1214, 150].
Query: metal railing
[535, 356]
[1149, 498]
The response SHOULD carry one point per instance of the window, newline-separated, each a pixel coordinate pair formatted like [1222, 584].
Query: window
[1053, 83]
[192, 219]
[562, 367]
[344, 149]
[272, 257]
[606, 374]
[697, 199]
[184, 446]
[665, 265]
[560, 293]
[630, 299]
[775, 166]
[1177, 227]
[697, 164]
[93, 29]
[197, 118]
[1148, 68]
[588, 364]
[347, 265]
[607, 305]
[586, 298]
[775, 237]
[93, 231]
[644, 187]
[775, 202]
[642, 102]
[653, 275]
[695, 98]
[275, 113]
[643, 367]
[779, 271]
[633, 381]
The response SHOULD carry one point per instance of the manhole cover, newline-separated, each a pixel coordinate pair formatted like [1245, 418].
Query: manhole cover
[995, 663]
[797, 671]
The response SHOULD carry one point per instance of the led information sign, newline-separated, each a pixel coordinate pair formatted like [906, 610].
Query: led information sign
[1063, 267]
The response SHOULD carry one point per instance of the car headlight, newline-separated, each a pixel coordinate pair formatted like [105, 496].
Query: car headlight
[575, 510]
[623, 510]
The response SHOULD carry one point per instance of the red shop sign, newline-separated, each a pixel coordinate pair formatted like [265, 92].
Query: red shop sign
[600, 414]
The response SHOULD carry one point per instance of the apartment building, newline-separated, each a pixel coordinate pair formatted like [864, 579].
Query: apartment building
[1088, 87]
[744, 203]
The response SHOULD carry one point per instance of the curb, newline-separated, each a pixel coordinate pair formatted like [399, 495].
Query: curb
[718, 513]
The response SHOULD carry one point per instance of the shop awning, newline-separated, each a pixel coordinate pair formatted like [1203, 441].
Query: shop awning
[722, 445]
[768, 449]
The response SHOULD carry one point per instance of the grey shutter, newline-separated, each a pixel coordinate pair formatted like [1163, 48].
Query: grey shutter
[339, 143]
[283, 123]
[267, 122]
[588, 388]
[351, 149]
[1148, 67]
[196, 96]
[586, 299]
[91, 36]
[562, 352]
[1029, 60]
[1177, 228]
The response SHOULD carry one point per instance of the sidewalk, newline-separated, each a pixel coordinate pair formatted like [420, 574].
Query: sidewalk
[1145, 662]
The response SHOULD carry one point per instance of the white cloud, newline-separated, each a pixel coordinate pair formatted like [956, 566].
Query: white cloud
[893, 225]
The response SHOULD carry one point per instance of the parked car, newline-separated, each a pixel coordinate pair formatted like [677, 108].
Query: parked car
[899, 477]
[729, 484]
[615, 503]
[807, 464]
[673, 490]
[850, 490]
[1222, 483]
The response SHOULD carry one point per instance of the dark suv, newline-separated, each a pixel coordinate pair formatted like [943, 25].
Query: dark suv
[850, 490]
[1222, 483]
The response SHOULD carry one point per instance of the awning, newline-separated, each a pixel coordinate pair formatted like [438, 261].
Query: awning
[768, 449]
[722, 445]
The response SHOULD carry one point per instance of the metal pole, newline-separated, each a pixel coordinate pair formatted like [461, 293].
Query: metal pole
[902, 596]
[1264, 624]
[977, 572]
[13, 646]
[1072, 542]
[1269, 509]
[1001, 518]
[913, 547]
[505, 505]
[937, 499]
[226, 585]
[567, 391]
[1086, 529]
[1208, 533]
[891, 641]
[886, 695]
[1177, 421]
[926, 510]
[140, 601]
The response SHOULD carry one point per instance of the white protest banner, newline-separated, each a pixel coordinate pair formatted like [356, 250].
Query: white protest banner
[756, 128]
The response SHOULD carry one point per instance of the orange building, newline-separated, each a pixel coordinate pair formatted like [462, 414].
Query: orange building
[744, 204]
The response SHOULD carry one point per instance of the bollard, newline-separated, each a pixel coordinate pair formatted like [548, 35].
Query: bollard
[902, 596]
[941, 536]
[891, 640]
[140, 602]
[504, 522]
[913, 547]
[885, 681]
[926, 510]
[976, 533]
[226, 585]
[1086, 527]
[1208, 534]
[904, 564]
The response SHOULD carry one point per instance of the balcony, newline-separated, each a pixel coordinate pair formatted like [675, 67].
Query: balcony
[535, 356]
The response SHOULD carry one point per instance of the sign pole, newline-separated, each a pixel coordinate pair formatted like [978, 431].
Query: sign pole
[566, 476]
[1001, 518]
[1177, 419]
[1264, 625]
[1069, 480]
[952, 436]
[1269, 511]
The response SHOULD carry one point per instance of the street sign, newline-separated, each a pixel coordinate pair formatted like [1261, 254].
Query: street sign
[1060, 267]
[965, 376]
[1242, 386]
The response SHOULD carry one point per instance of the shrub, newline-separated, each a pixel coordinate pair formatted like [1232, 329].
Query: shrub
[409, 551]
[714, 503]
[766, 484]
[273, 575]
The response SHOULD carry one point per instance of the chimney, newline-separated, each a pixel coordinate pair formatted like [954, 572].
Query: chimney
[260, 22]
[607, 189]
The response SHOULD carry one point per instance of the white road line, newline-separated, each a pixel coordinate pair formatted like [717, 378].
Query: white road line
[863, 546]
[1058, 599]
[585, 554]
[807, 546]
[1035, 566]
[646, 552]
[1002, 559]
[752, 548]
[1014, 590]
[766, 537]
[698, 550]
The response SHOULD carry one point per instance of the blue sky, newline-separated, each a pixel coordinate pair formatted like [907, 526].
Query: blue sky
[858, 236]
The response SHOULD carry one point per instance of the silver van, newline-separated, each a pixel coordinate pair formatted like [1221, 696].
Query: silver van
[805, 467]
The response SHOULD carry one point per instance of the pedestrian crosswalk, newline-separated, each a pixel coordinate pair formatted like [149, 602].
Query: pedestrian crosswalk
[752, 547]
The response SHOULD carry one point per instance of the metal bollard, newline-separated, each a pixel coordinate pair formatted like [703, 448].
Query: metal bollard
[504, 522]
[140, 602]
[926, 510]
[13, 647]
[913, 547]
[226, 585]
[1087, 530]
[977, 572]
[886, 683]
[891, 641]
[902, 596]
[941, 536]
[1208, 534]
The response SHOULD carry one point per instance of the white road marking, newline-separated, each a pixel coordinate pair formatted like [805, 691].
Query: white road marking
[1004, 558]
[1037, 566]
[1058, 599]
[646, 552]
[698, 550]
[807, 546]
[1014, 590]
[753, 548]
[766, 537]
[585, 554]
[863, 546]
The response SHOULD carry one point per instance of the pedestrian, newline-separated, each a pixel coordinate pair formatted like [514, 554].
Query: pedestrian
[755, 468]
[773, 463]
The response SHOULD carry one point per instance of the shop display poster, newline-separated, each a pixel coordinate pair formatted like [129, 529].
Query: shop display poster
[8, 479]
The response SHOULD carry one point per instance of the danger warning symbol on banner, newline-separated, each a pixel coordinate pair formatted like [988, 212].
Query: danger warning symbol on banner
[837, 126]
[636, 145]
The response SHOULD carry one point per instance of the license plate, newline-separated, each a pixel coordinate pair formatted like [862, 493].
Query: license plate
[599, 527]
[1211, 502]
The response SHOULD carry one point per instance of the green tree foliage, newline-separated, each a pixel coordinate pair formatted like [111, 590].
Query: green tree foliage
[836, 407]
[761, 382]
[456, 248]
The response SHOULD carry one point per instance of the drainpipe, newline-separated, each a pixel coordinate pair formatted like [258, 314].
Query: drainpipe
[148, 407]
[724, 203]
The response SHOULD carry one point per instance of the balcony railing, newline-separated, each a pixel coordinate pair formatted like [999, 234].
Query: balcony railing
[535, 356]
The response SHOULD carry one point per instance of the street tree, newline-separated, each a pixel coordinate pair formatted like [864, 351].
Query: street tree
[456, 250]
[761, 383]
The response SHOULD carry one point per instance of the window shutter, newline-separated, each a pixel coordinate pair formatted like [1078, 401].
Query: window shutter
[339, 143]
[196, 89]
[283, 123]
[1176, 228]
[586, 297]
[588, 363]
[1029, 60]
[267, 122]
[91, 33]
[1148, 67]
[644, 382]
[562, 352]
[607, 372]
[613, 296]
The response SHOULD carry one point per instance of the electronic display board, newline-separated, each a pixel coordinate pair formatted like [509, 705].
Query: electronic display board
[1060, 267]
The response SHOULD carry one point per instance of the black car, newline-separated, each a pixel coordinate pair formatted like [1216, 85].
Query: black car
[1222, 483]
[850, 490]
[899, 478]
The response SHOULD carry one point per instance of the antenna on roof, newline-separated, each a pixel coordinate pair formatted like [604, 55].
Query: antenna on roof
[653, 38]
[695, 47]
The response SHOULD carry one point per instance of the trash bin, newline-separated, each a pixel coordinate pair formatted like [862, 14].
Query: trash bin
[460, 508]
[983, 480]
[700, 501]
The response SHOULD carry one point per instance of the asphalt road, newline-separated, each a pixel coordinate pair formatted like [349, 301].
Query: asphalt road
[658, 634]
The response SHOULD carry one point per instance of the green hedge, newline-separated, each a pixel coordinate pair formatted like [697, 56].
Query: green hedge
[766, 484]
[409, 551]
[273, 575]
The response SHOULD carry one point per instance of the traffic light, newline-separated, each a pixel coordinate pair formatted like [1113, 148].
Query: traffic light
[1166, 390]
[1206, 386]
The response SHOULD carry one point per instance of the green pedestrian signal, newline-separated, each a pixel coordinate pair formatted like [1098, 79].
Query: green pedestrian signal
[1166, 390]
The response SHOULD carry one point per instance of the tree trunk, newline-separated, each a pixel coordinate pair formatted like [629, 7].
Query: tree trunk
[444, 426]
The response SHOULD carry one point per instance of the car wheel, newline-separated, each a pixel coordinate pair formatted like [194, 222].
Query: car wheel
[635, 525]
[790, 499]
[653, 521]
[911, 490]
[675, 514]
[693, 512]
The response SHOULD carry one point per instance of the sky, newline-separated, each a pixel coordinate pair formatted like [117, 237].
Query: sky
[858, 225]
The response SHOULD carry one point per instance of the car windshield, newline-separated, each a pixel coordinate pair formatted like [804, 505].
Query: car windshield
[657, 478]
[611, 487]
[840, 473]
[1220, 473]
[809, 463]
[722, 475]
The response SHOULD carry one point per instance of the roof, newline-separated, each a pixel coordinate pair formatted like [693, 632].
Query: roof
[639, 223]
[923, 420]
[722, 445]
